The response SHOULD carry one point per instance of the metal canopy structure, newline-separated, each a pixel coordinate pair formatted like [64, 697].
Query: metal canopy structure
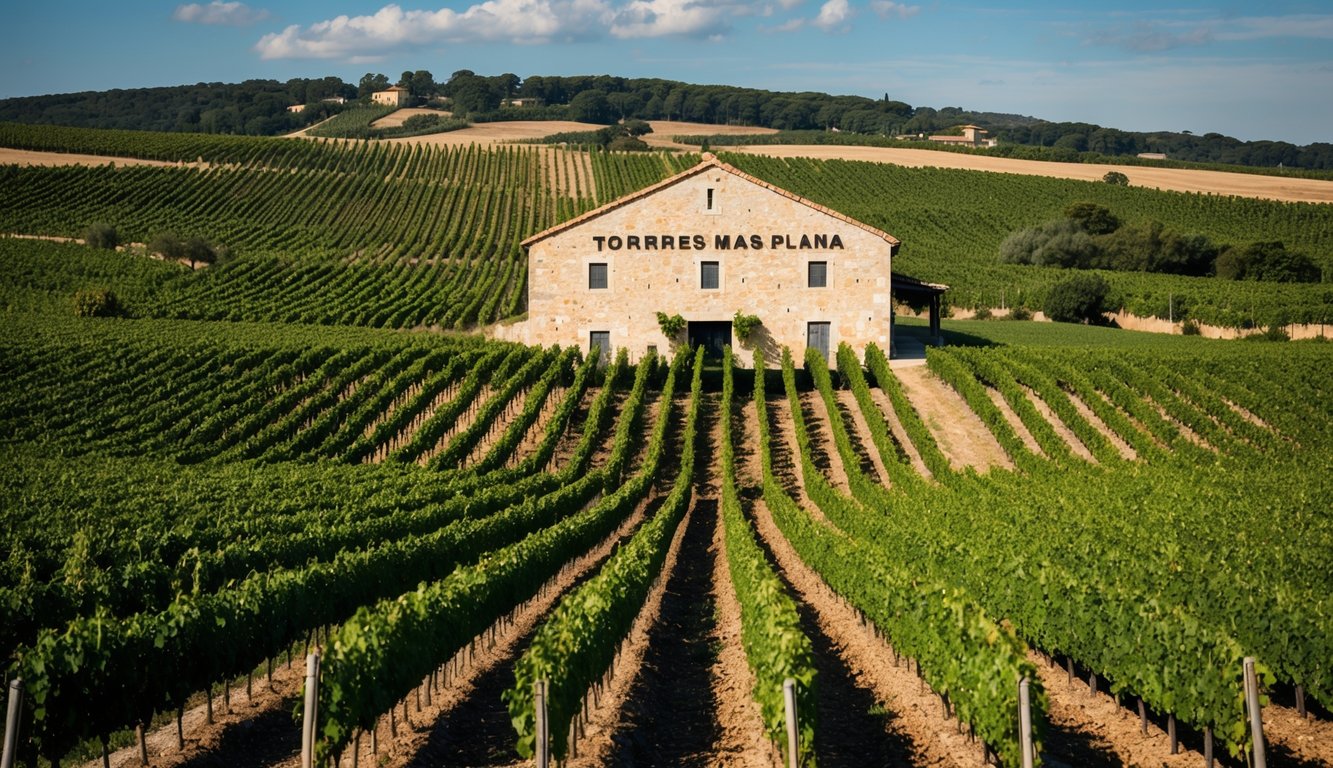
[916, 292]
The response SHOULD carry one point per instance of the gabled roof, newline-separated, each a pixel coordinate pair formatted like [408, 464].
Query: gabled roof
[709, 162]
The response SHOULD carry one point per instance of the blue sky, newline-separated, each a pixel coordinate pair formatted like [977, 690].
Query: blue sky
[1250, 70]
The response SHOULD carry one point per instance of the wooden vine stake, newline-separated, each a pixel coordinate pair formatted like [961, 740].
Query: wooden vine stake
[12, 712]
[1256, 721]
[793, 729]
[1025, 723]
[543, 730]
[311, 711]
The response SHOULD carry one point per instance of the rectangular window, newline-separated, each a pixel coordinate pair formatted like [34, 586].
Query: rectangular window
[597, 276]
[817, 337]
[708, 275]
[710, 199]
[818, 274]
[600, 340]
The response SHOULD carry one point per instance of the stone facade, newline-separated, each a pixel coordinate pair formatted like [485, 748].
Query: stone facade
[655, 243]
[393, 97]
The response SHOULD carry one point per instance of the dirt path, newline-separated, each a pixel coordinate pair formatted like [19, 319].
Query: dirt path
[1293, 740]
[826, 456]
[464, 420]
[255, 731]
[859, 431]
[499, 425]
[569, 439]
[957, 430]
[604, 728]
[671, 712]
[1125, 450]
[1092, 730]
[1015, 422]
[872, 712]
[742, 742]
[27, 157]
[467, 723]
[745, 434]
[900, 434]
[785, 453]
[1080, 450]
[1174, 179]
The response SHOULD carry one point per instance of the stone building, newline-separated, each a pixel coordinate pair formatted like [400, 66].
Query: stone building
[396, 96]
[707, 244]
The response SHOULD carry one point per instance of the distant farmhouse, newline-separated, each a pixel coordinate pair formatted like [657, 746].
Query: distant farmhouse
[394, 97]
[297, 108]
[972, 137]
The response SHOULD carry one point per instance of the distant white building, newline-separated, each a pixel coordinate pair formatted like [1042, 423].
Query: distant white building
[394, 97]
[972, 137]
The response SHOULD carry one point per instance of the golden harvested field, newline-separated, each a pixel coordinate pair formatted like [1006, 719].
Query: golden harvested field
[495, 133]
[396, 119]
[663, 130]
[1174, 179]
[47, 159]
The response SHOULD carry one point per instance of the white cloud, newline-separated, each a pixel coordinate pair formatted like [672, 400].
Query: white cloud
[519, 21]
[1164, 35]
[1145, 37]
[662, 18]
[832, 14]
[515, 21]
[219, 13]
[1307, 25]
[887, 8]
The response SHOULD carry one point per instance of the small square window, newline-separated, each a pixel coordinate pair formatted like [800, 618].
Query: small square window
[818, 274]
[597, 276]
[708, 275]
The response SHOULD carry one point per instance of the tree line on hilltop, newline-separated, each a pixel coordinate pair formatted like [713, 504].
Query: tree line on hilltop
[260, 107]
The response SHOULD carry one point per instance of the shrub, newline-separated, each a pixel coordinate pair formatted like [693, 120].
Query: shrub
[744, 325]
[199, 250]
[1117, 178]
[421, 122]
[983, 313]
[671, 325]
[96, 302]
[1059, 243]
[1267, 261]
[1092, 218]
[626, 144]
[1020, 313]
[1190, 328]
[101, 235]
[1081, 298]
[168, 246]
